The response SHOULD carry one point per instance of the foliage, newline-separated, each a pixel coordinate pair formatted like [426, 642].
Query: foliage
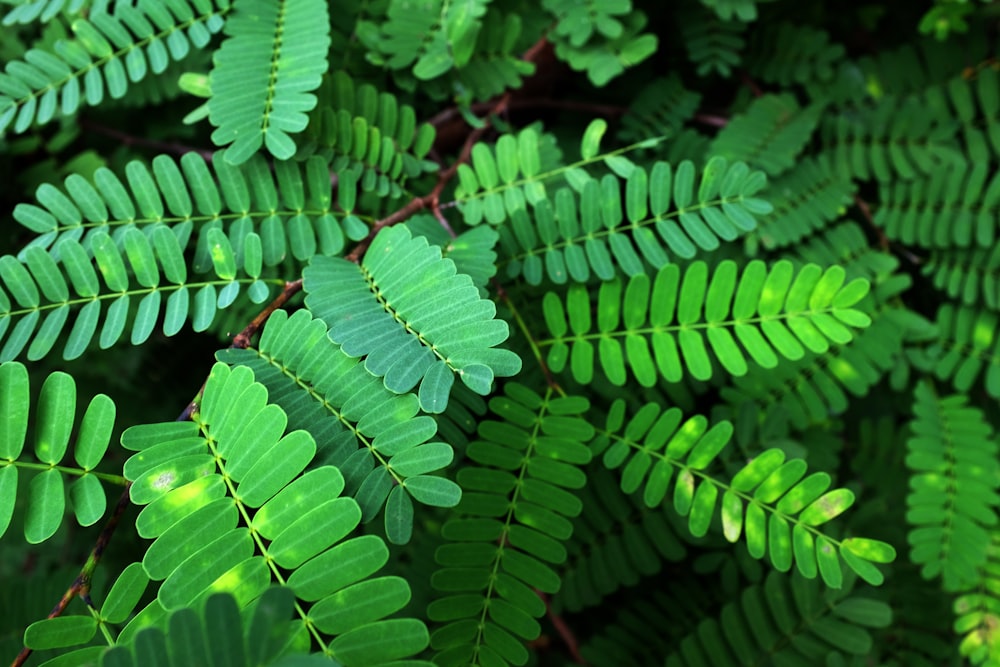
[604, 332]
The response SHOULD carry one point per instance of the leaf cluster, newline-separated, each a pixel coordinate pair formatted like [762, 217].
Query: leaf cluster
[455, 332]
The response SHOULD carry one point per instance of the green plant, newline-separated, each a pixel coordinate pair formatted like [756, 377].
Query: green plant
[589, 331]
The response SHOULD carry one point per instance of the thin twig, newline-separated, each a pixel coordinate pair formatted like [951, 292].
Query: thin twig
[191, 407]
[242, 339]
[131, 140]
[563, 629]
[81, 585]
[522, 325]
[711, 120]
[432, 200]
[751, 84]
[866, 213]
[579, 106]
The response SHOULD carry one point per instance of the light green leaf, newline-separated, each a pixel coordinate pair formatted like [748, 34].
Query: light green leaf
[125, 594]
[380, 642]
[46, 506]
[8, 496]
[779, 542]
[423, 459]
[340, 566]
[398, 516]
[732, 516]
[316, 530]
[590, 143]
[60, 632]
[56, 410]
[88, 499]
[95, 432]
[436, 491]
[14, 402]
[196, 574]
[829, 563]
[709, 446]
[435, 388]
[702, 509]
[827, 507]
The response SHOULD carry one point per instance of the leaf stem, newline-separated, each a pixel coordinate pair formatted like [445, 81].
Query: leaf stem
[432, 200]
[522, 325]
[81, 585]
[242, 339]
[117, 480]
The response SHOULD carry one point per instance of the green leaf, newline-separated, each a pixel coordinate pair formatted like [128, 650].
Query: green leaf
[862, 611]
[360, 604]
[710, 445]
[827, 507]
[851, 293]
[271, 472]
[873, 550]
[338, 567]
[125, 594]
[862, 567]
[95, 432]
[759, 469]
[398, 516]
[140, 255]
[88, 499]
[56, 409]
[328, 522]
[433, 64]
[420, 460]
[60, 632]
[19, 282]
[189, 535]
[14, 402]
[380, 642]
[702, 509]
[8, 496]
[732, 516]
[46, 506]
[590, 143]
[222, 255]
[196, 574]
[271, 99]
[436, 491]
[829, 564]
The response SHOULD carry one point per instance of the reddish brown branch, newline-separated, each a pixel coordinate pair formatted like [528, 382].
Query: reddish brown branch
[191, 407]
[751, 84]
[565, 633]
[81, 585]
[432, 200]
[546, 371]
[242, 339]
[578, 106]
[711, 120]
[131, 140]
[866, 213]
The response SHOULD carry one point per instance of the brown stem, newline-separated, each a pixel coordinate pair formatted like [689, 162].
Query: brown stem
[130, 140]
[81, 585]
[578, 106]
[242, 339]
[432, 200]
[751, 84]
[563, 629]
[711, 120]
[866, 213]
[502, 295]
